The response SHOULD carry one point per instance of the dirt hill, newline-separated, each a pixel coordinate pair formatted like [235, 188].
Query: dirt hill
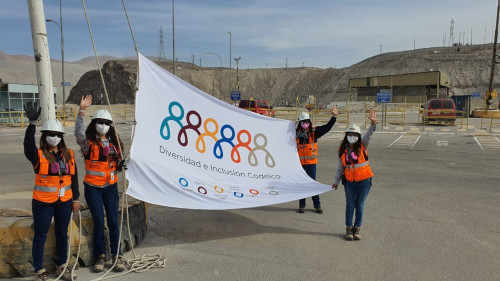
[468, 67]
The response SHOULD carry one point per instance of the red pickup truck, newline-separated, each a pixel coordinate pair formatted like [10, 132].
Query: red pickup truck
[258, 106]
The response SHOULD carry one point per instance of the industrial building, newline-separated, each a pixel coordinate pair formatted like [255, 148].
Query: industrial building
[13, 97]
[411, 88]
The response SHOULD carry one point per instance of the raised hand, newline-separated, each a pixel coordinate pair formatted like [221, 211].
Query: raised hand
[85, 102]
[334, 110]
[372, 116]
[31, 111]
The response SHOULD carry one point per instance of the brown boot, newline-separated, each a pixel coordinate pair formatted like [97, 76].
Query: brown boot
[120, 264]
[65, 273]
[41, 275]
[99, 263]
[348, 233]
[355, 231]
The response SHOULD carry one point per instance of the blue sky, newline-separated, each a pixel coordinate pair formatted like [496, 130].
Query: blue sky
[319, 33]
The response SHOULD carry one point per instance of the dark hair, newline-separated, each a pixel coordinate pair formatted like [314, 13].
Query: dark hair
[91, 134]
[45, 147]
[344, 144]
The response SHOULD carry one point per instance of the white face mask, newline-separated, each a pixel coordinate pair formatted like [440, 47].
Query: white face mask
[352, 139]
[53, 141]
[101, 128]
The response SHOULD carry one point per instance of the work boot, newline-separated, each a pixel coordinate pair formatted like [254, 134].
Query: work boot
[120, 264]
[318, 210]
[355, 231]
[302, 210]
[348, 233]
[41, 275]
[67, 273]
[99, 263]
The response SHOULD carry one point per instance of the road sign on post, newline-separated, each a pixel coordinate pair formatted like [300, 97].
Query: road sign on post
[384, 97]
[235, 95]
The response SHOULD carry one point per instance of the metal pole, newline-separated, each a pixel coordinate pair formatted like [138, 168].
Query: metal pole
[63, 83]
[220, 78]
[230, 68]
[62, 63]
[173, 37]
[42, 59]
[237, 70]
[490, 87]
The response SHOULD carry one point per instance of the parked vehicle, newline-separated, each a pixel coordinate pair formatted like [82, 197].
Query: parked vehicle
[439, 110]
[258, 106]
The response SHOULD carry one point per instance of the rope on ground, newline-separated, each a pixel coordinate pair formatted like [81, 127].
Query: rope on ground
[139, 264]
[69, 246]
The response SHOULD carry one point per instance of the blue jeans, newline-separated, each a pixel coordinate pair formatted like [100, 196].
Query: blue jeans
[355, 196]
[96, 197]
[311, 171]
[42, 218]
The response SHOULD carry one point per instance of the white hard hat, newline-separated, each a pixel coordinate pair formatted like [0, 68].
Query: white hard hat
[53, 125]
[304, 116]
[353, 129]
[103, 114]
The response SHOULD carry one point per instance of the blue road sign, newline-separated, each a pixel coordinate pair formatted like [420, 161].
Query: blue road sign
[384, 97]
[235, 95]
[476, 95]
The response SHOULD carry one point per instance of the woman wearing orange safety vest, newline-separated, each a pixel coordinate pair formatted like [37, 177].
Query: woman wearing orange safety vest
[55, 193]
[354, 169]
[103, 161]
[307, 148]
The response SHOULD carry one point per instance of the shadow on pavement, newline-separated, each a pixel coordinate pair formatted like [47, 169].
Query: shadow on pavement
[201, 225]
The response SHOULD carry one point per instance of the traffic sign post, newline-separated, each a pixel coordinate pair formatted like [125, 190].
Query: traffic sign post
[384, 98]
[235, 95]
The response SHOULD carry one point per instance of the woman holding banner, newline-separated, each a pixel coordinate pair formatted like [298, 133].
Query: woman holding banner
[101, 150]
[354, 169]
[307, 137]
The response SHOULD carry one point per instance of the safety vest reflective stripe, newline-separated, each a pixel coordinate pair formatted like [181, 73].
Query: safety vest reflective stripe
[360, 164]
[51, 189]
[308, 157]
[95, 173]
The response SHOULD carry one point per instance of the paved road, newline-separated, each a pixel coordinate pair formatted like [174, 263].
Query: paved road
[432, 214]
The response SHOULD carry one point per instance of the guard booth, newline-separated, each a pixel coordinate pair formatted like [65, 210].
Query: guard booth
[462, 103]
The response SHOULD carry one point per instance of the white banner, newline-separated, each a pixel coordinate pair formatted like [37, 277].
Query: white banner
[191, 150]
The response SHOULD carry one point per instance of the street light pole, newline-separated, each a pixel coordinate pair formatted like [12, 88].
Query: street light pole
[173, 37]
[220, 77]
[237, 74]
[230, 68]
[63, 83]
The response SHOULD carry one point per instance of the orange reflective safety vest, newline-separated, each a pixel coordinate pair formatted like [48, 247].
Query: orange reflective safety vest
[100, 169]
[357, 171]
[48, 187]
[308, 152]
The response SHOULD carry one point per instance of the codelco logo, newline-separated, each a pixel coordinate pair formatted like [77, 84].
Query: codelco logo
[222, 144]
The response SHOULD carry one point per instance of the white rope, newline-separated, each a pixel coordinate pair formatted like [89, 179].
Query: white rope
[69, 246]
[139, 264]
